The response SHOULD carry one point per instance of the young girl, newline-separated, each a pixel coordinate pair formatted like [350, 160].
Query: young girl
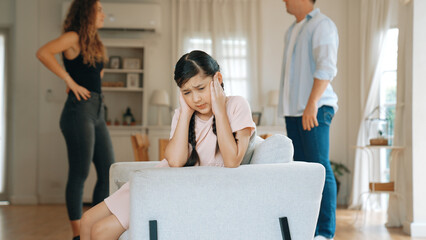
[209, 129]
[82, 120]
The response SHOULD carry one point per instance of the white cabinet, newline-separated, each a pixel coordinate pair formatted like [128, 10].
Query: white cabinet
[155, 133]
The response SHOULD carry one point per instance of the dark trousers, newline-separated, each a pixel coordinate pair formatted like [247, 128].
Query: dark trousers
[313, 146]
[87, 138]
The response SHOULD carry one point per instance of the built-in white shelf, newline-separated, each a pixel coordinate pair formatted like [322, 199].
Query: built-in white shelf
[121, 89]
[130, 128]
[110, 70]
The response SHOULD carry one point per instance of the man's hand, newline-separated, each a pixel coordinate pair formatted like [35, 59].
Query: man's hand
[309, 118]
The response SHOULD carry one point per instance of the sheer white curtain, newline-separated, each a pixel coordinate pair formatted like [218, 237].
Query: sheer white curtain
[397, 210]
[226, 29]
[375, 21]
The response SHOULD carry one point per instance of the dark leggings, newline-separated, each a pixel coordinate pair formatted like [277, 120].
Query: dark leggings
[87, 138]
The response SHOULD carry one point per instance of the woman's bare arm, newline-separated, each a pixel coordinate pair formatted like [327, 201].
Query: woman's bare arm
[69, 44]
[46, 54]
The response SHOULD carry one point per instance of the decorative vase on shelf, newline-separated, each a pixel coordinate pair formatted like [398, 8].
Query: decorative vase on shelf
[378, 130]
[116, 122]
[128, 118]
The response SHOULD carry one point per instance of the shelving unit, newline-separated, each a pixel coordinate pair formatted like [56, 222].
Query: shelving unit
[377, 187]
[117, 99]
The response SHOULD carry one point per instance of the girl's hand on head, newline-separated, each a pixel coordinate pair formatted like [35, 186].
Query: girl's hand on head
[185, 109]
[218, 96]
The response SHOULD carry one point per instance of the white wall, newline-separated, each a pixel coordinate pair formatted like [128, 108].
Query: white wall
[6, 13]
[275, 21]
[52, 161]
[23, 109]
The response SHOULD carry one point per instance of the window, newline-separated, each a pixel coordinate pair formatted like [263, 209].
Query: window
[387, 95]
[388, 78]
[2, 112]
[232, 57]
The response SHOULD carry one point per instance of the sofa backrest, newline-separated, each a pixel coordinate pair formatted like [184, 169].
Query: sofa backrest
[227, 203]
[275, 149]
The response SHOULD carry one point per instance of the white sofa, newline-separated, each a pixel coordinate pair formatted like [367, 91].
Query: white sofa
[203, 203]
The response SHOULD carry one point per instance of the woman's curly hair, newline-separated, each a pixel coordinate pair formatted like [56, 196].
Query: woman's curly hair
[81, 18]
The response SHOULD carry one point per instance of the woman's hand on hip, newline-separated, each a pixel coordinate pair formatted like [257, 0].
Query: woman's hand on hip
[79, 91]
[218, 96]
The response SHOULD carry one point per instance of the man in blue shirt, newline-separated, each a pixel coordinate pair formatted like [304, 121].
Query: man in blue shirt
[307, 100]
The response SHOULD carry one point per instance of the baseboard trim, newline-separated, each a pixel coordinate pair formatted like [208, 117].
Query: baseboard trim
[23, 200]
[418, 229]
[415, 229]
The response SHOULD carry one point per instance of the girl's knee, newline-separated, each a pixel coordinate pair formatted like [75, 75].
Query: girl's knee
[87, 220]
[97, 231]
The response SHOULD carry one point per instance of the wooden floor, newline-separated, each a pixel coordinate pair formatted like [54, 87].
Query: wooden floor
[50, 222]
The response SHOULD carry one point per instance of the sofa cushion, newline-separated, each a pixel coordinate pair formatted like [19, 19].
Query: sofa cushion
[254, 142]
[275, 149]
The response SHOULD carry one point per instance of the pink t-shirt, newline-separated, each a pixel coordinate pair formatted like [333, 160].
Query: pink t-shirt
[239, 116]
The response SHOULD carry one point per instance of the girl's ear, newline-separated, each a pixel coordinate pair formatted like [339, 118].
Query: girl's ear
[219, 77]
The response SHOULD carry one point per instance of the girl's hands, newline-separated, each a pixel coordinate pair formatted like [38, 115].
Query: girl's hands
[185, 109]
[218, 96]
[79, 91]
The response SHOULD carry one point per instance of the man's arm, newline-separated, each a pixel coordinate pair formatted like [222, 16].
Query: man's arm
[309, 118]
[325, 43]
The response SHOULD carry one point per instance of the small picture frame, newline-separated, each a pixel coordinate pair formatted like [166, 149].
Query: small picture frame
[131, 63]
[256, 117]
[114, 62]
[133, 80]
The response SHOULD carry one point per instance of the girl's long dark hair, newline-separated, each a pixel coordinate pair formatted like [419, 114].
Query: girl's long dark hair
[188, 66]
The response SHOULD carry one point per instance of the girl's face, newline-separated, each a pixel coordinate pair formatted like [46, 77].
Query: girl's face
[100, 15]
[196, 92]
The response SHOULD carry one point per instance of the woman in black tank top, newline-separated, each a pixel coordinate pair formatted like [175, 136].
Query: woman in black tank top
[82, 121]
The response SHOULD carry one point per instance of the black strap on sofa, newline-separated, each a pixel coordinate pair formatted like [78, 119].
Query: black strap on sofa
[285, 230]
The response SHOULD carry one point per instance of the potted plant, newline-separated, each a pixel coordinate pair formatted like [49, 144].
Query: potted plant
[339, 170]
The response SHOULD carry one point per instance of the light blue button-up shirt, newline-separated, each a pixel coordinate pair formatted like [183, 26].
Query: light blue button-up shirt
[314, 56]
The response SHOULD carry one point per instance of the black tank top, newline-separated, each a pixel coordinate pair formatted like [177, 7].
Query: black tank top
[84, 75]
